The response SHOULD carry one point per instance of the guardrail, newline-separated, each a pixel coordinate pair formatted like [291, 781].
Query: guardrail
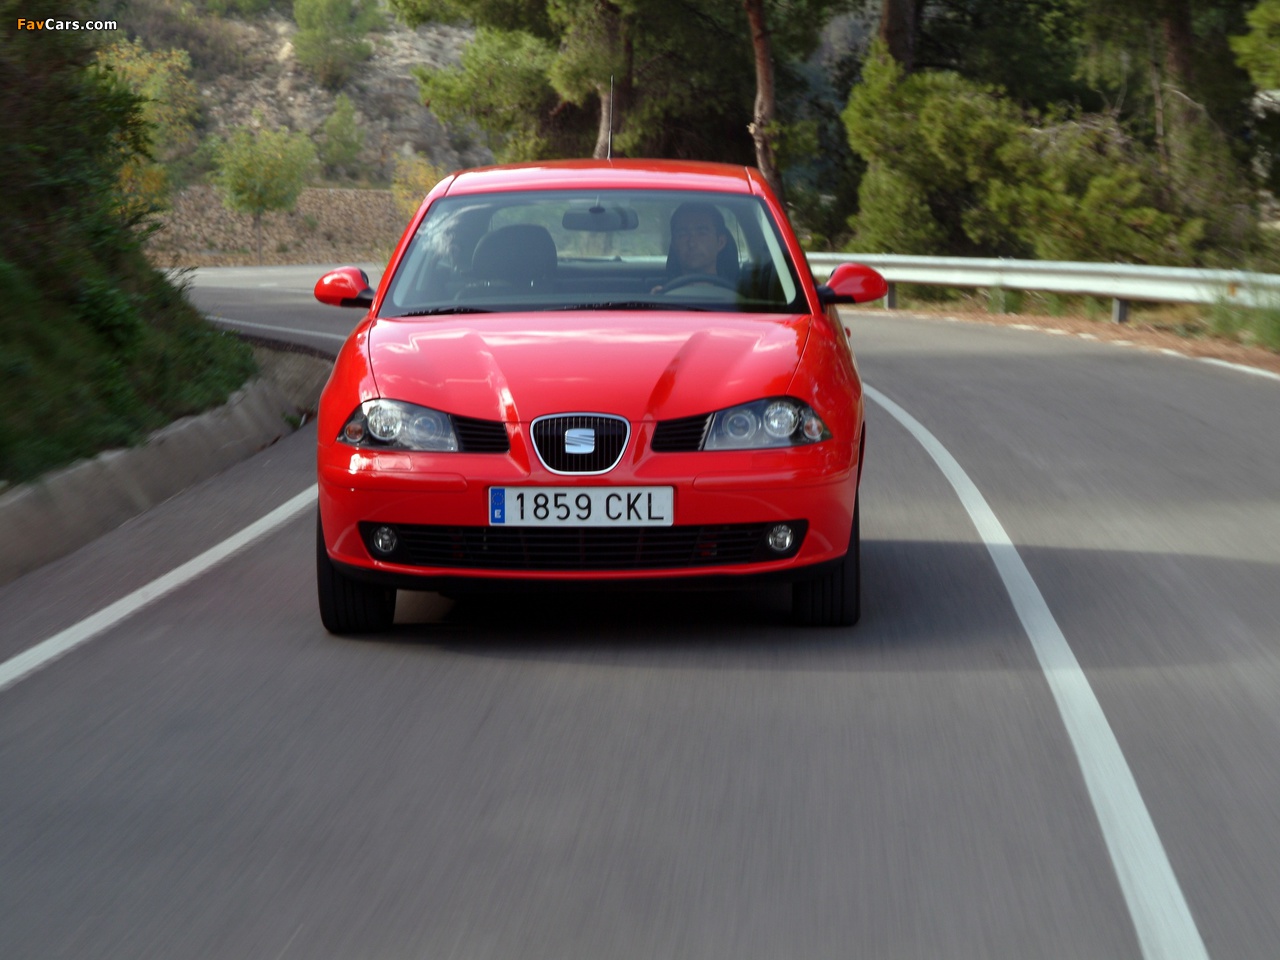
[1123, 283]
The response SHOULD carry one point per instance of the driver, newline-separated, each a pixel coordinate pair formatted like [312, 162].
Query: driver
[698, 235]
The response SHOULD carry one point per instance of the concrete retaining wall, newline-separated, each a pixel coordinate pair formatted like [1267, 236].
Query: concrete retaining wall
[62, 511]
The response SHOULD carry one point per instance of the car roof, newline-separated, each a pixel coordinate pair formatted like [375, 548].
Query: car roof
[605, 174]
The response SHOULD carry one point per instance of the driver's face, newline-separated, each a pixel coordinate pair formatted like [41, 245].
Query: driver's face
[696, 242]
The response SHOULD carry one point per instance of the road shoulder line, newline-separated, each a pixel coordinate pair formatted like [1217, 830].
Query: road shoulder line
[42, 654]
[1156, 904]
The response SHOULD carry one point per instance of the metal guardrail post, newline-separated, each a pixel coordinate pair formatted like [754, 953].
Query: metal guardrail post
[891, 297]
[1119, 311]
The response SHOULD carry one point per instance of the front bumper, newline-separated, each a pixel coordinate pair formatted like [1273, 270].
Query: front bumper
[814, 487]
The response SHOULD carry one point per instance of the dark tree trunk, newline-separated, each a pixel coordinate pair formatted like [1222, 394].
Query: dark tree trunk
[900, 29]
[604, 131]
[1179, 45]
[764, 125]
[615, 95]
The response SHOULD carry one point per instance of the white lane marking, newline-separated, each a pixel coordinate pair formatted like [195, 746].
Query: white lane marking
[1256, 371]
[45, 652]
[264, 326]
[1159, 911]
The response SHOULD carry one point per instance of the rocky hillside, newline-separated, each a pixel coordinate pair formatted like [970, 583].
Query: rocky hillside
[267, 82]
[384, 91]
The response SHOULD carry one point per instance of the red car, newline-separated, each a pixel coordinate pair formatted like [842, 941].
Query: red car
[594, 372]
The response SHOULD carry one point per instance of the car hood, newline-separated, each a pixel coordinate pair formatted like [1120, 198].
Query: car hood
[639, 365]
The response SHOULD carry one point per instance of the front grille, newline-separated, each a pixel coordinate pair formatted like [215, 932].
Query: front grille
[680, 436]
[481, 436]
[583, 548]
[609, 441]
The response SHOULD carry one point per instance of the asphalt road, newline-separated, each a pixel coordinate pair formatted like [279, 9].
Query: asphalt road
[690, 776]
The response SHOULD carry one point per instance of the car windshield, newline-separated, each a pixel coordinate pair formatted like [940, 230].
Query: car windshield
[598, 249]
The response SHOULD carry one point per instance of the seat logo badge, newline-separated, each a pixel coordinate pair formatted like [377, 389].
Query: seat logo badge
[579, 440]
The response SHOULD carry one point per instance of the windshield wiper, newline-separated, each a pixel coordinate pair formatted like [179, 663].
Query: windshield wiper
[440, 311]
[630, 305]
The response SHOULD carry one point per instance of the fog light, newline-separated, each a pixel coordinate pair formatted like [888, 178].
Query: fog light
[384, 540]
[781, 538]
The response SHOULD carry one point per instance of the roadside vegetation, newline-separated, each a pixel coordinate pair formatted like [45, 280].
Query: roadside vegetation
[96, 347]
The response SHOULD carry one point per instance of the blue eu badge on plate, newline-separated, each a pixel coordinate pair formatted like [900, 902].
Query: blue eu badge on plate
[497, 505]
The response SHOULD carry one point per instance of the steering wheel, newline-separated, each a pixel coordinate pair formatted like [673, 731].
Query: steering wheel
[687, 279]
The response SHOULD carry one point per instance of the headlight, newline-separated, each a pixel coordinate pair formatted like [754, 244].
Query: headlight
[777, 422]
[393, 424]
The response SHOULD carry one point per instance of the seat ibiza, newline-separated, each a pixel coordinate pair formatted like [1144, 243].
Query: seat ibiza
[594, 372]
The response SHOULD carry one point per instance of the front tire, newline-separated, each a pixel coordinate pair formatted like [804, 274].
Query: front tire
[835, 598]
[347, 605]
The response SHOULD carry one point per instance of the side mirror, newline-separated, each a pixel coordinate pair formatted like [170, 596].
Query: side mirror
[852, 283]
[345, 287]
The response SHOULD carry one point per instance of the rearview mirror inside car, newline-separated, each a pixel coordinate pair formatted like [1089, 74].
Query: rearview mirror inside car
[598, 219]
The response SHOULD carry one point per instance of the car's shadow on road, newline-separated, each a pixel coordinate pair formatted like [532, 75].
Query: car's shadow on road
[915, 596]
[925, 605]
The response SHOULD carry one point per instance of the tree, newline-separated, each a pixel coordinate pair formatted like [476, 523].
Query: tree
[1033, 49]
[343, 138]
[595, 58]
[501, 86]
[955, 167]
[900, 29]
[1187, 91]
[1258, 51]
[330, 39]
[261, 170]
[169, 105]
[764, 118]
[538, 75]
[935, 144]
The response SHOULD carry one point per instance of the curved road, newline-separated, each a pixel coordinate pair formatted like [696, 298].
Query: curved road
[1065, 743]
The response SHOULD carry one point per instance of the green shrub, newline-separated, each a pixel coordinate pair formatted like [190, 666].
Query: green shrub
[330, 39]
[343, 139]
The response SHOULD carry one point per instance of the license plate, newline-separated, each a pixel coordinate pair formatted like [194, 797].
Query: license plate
[581, 506]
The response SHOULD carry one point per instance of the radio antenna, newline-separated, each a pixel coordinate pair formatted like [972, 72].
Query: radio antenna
[609, 150]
